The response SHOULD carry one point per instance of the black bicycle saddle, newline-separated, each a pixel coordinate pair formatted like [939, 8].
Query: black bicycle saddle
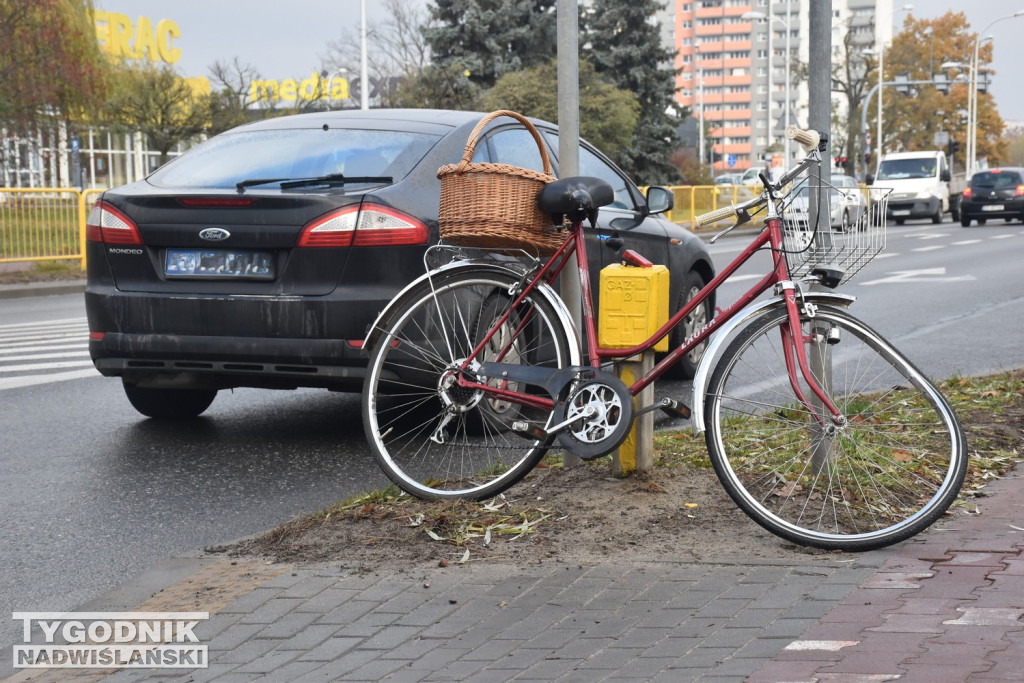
[577, 197]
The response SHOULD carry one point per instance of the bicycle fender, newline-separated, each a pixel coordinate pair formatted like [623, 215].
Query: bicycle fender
[724, 334]
[565, 317]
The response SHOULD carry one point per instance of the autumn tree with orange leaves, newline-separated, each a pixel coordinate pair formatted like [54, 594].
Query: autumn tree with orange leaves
[919, 51]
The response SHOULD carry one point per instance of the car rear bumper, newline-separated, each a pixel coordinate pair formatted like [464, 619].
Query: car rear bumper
[1010, 208]
[235, 341]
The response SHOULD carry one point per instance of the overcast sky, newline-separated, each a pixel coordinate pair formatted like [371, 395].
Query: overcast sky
[287, 38]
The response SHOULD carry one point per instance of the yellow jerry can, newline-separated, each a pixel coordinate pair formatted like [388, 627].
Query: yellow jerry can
[633, 305]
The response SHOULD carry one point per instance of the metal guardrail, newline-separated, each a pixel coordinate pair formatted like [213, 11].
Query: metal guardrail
[44, 224]
[48, 224]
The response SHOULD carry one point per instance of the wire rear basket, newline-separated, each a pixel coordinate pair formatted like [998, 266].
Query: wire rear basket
[853, 234]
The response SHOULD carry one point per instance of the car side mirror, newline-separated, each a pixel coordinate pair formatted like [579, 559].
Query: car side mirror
[944, 175]
[869, 179]
[659, 199]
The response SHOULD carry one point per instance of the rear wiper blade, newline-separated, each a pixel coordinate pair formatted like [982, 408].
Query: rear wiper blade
[241, 185]
[333, 178]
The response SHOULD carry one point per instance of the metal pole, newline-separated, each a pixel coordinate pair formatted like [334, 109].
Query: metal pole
[364, 81]
[819, 116]
[567, 27]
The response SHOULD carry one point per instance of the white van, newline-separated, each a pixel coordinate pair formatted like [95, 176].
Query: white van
[920, 183]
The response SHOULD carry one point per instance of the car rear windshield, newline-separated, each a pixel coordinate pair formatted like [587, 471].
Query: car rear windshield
[230, 158]
[898, 169]
[996, 179]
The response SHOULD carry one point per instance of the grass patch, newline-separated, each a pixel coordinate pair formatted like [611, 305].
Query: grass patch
[990, 408]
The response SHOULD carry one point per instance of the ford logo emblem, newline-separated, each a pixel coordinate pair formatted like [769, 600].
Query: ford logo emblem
[214, 234]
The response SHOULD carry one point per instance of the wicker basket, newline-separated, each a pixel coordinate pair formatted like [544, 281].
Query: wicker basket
[495, 205]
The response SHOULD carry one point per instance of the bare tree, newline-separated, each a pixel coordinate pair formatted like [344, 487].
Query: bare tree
[232, 99]
[853, 74]
[396, 47]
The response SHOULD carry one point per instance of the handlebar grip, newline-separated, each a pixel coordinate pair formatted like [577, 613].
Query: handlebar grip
[809, 139]
[715, 216]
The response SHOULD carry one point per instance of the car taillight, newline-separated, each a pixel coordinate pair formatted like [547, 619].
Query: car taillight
[967, 193]
[1020, 191]
[372, 225]
[108, 225]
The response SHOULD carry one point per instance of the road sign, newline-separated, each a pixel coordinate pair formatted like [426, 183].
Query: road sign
[731, 160]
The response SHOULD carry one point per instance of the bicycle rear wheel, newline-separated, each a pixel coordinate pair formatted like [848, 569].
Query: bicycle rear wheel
[433, 438]
[889, 472]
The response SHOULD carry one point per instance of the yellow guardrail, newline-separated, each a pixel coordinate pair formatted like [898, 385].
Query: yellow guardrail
[693, 200]
[44, 224]
[48, 224]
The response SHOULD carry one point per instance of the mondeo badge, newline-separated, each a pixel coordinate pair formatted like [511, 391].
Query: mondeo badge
[214, 234]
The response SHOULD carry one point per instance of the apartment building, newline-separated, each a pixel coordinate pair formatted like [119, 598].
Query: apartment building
[733, 58]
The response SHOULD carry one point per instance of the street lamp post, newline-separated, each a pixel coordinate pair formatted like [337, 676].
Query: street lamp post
[972, 95]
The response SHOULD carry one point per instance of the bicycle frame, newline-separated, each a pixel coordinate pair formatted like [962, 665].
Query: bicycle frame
[794, 353]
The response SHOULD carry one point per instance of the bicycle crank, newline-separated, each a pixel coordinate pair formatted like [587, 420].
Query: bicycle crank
[598, 413]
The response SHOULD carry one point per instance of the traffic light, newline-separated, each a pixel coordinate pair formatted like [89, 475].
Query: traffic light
[867, 158]
[840, 162]
[952, 147]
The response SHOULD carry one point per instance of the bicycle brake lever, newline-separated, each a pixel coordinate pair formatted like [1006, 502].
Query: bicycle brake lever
[742, 217]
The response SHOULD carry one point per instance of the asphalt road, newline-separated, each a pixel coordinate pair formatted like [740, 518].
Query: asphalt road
[93, 494]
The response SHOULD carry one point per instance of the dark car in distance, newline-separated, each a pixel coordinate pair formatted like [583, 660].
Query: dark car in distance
[261, 257]
[994, 193]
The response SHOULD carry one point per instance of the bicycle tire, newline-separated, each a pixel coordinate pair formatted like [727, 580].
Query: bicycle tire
[438, 325]
[894, 467]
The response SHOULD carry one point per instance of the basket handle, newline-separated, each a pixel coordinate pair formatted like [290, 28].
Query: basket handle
[467, 154]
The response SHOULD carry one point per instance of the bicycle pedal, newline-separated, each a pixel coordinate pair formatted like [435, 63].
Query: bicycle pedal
[675, 408]
[670, 406]
[530, 430]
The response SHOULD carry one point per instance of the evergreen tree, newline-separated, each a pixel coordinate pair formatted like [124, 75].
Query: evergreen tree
[624, 44]
[490, 38]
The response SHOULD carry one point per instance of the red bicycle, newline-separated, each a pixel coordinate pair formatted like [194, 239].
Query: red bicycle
[817, 427]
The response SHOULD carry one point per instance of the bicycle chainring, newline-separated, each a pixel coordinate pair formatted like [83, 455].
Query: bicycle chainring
[602, 432]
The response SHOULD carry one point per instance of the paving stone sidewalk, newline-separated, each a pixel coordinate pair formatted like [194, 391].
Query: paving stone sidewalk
[946, 606]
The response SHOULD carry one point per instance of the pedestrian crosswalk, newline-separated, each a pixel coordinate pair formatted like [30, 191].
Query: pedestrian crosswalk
[44, 352]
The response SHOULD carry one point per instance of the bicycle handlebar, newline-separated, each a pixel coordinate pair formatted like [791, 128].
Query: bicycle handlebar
[808, 139]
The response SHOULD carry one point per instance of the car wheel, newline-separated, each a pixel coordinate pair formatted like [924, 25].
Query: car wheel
[965, 220]
[982, 221]
[901, 221]
[686, 368]
[169, 404]
[844, 222]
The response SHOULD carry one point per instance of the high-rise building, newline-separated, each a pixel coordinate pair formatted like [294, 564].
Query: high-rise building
[737, 62]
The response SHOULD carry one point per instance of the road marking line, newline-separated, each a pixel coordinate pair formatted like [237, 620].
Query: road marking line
[965, 242]
[28, 336]
[9, 349]
[19, 382]
[45, 323]
[45, 356]
[826, 645]
[33, 367]
[931, 248]
[1001, 237]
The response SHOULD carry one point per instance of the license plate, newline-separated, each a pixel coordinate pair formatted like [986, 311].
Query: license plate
[992, 207]
[901, 213]
[219, 263]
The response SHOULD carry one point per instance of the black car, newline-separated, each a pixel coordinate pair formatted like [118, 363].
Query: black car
[995, 193]
[261, 257]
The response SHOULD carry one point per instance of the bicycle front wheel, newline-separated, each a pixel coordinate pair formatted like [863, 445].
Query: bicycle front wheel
[889, 472]
[433, 438]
